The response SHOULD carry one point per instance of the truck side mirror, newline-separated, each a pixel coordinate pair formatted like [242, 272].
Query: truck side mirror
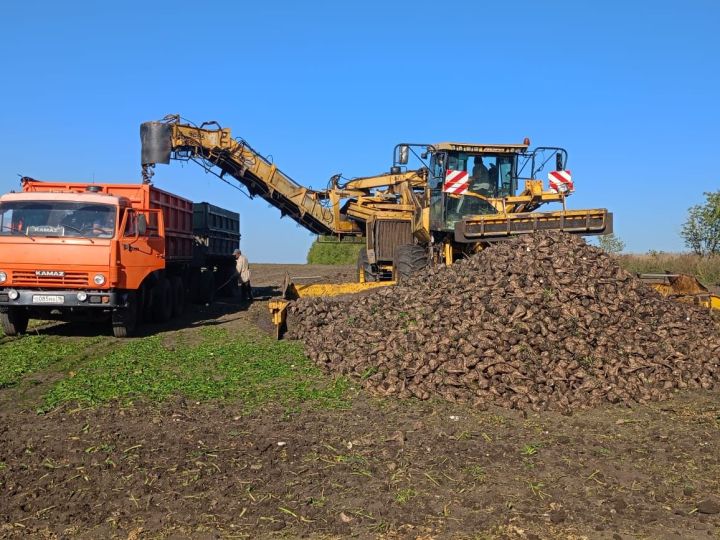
[558, 162]
[141, 224]
[404, 154]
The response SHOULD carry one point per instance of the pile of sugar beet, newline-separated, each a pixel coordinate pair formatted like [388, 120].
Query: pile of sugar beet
[542, 321]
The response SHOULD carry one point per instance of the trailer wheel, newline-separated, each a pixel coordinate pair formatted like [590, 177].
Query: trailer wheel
[407, 260]
[178, 292]
[124, 320]
[364, 268]
[14, 321]
[162, 301]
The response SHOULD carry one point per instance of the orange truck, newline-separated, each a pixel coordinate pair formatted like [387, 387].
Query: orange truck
[125, 253]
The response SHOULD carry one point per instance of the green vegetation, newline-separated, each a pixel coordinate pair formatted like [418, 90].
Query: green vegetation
[476, 472]
[20, 357]
[610, 243]
[530, 449]
[333, 252]
[706, 269]
[701, 231]
[253, 369]
[402, 496]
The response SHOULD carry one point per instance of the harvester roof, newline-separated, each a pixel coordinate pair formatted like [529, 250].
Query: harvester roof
[476, 148]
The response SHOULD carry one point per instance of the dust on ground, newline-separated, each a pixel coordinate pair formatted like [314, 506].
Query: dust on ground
[383, 468]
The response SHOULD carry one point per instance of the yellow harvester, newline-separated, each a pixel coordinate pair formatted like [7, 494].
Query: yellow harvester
[458, 199]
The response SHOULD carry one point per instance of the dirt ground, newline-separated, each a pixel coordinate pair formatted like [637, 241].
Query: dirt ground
[377, 469]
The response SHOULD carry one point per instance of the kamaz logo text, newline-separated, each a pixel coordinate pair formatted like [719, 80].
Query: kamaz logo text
[49, 273]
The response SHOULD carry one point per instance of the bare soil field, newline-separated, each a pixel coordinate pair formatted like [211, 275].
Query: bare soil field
[92, 445]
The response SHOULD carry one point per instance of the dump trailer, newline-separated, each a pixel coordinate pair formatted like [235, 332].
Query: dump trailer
[455, 200]
[216, 233]
[121, 252]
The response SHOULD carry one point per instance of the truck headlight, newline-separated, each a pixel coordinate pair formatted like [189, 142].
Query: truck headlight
[82, 296]
[13, 294]
[3, 277]
[99, 279]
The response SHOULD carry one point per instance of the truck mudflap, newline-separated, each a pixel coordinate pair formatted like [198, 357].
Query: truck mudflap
[60, 298]
[495, 227]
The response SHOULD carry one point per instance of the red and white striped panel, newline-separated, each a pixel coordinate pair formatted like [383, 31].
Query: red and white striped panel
[561, 182]
[456, 182]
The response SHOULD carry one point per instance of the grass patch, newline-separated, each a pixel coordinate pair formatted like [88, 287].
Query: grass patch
[29, 354]
[326, 252]
[405, 495]
[253, 369]
[706, 269]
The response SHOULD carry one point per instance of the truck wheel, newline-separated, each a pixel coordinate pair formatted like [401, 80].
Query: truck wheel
[162, 302]
[124, 319]
[364, 267]
[207, 287]
[407, 260]
[14, 321]
[178, 292]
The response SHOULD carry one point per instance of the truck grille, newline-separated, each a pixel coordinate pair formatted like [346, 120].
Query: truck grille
[70, 279]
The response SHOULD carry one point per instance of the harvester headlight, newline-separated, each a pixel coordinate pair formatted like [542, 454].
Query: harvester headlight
[13, 294]
[99, 279]
[82, 296]
[3, 277]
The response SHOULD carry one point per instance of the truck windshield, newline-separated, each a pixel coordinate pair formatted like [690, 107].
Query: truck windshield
[55, 218]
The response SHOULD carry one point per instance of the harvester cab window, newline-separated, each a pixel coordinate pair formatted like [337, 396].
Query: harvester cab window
[506, 176]
[483, 178]
[438, 167]
[493, 176]
[437, 171]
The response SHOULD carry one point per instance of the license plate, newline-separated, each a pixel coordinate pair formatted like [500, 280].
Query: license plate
[48, 299]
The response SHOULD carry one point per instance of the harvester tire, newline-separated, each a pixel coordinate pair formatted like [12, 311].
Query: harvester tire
[14, 321]
[162, 302]
[407, 260]
[179, 297]
[124, 320]
[363, 265]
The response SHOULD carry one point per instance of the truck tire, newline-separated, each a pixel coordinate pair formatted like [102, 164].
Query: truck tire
[124, 320]
[206, 293]
[178, 293]
[14, 321]
[364, 266]
[162, 302]
[407, 260]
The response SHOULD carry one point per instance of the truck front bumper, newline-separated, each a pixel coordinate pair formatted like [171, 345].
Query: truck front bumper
[60, 298]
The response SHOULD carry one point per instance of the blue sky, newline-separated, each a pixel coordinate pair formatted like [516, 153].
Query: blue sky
[629, 88]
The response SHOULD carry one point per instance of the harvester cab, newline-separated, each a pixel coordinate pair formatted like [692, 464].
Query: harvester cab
[479, 193]
[469, 179]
